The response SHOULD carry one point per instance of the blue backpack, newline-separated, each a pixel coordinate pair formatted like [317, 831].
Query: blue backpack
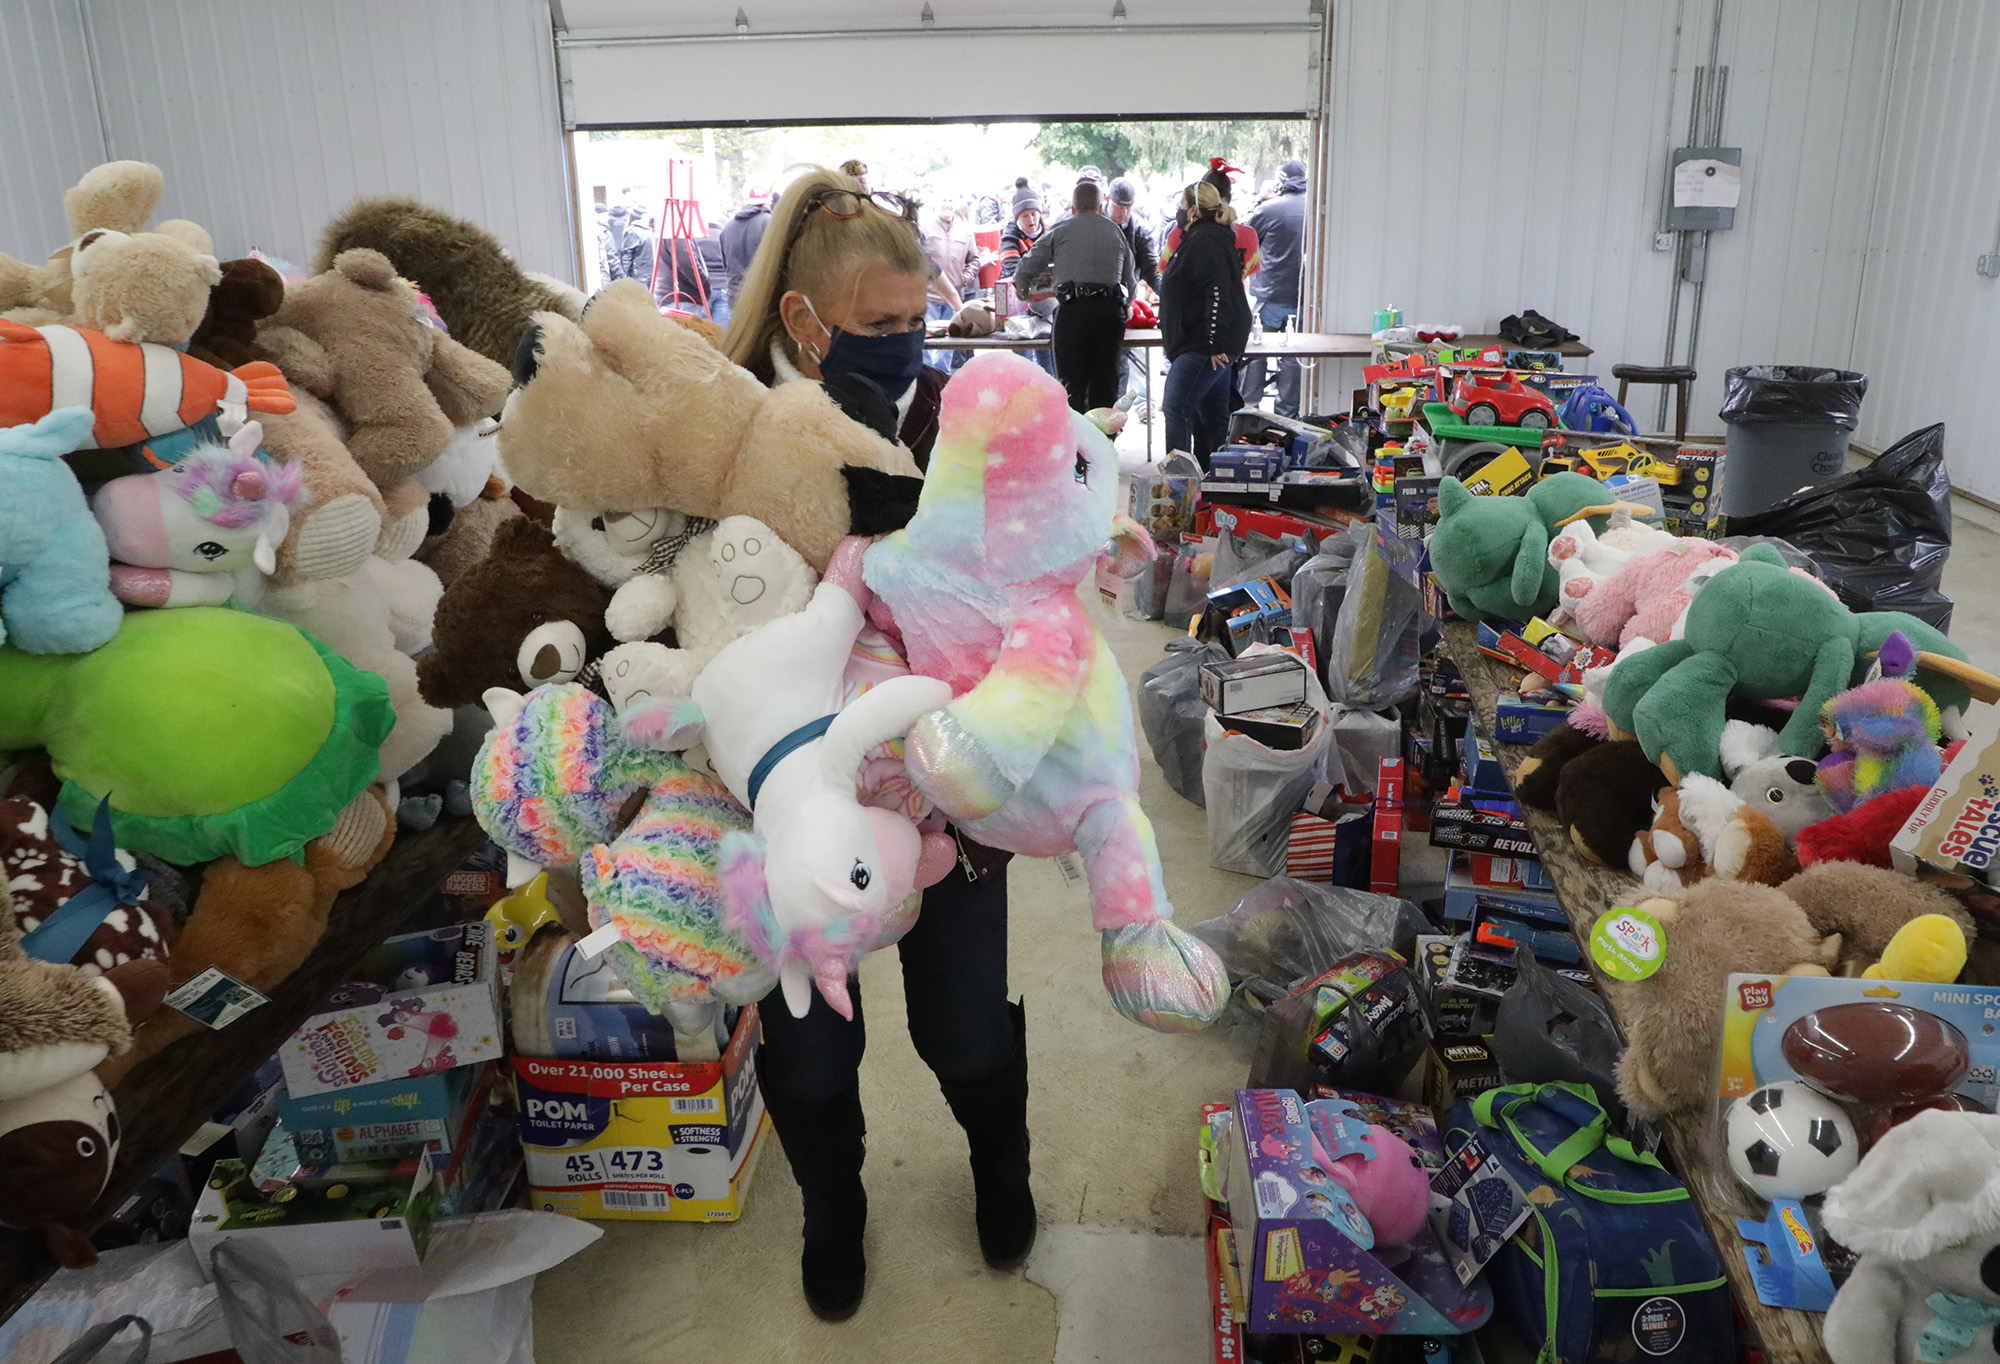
[1614, 1262]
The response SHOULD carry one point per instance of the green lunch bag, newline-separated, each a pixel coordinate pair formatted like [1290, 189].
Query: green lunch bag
[1614, 1262]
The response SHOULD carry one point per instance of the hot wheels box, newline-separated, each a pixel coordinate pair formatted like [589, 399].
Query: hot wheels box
[659, 1140]
[1305, 1272]
[434, 1006]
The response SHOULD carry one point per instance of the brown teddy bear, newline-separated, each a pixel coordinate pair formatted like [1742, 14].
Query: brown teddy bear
[1832, 916]
[143, 286]
[353, 336]
[248, 291]
[629, 412]
[482, 295]
[523, 617]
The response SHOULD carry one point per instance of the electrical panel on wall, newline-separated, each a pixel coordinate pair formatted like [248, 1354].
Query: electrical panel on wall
[1707, 183]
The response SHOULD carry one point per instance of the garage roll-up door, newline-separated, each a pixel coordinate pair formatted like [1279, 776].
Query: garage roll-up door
[637, 62]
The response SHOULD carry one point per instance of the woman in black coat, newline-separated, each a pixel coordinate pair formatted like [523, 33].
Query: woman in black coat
[1204, 322]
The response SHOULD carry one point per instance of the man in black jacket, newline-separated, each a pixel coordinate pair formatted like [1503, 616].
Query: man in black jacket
[1122, 199]
[1280, 225]
[740, 238]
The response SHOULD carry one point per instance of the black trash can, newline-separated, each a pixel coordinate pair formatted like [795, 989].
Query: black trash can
[1788, 429]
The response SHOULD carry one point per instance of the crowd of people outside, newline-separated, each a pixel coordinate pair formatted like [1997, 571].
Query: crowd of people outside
[1069, 263]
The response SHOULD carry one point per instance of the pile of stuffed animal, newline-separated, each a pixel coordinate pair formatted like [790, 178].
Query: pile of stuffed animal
[1747, 757]
[289, 562]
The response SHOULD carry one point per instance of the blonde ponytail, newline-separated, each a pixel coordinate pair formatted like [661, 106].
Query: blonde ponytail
[807, 249]
[1203, 200]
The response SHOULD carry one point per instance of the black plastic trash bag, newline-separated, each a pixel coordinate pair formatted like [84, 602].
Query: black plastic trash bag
[1284, 932]
[1880, 534]
[1551, 1029]
[1378, 1032]
[1171, 712]
[1790, 393]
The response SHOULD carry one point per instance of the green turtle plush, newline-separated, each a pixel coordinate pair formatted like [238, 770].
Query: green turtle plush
[1759, 630]
[1491, 554]
[212, 731]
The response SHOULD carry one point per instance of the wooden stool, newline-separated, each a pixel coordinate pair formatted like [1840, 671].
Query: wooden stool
[1680, 376]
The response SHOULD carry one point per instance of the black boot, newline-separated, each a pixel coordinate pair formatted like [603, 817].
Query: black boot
[823, 1140]
[994, 1113]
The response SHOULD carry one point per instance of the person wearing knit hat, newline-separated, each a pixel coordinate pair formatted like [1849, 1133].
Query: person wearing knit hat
[1090, 173]
[1280, 225]
[1016, 240]
[1092, 265]
[1122, 197]
[1025, 198]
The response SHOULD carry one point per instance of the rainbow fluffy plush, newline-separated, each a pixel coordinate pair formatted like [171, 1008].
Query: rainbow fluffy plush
[989, 585]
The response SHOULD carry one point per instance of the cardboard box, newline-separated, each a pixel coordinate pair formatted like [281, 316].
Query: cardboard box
[1386, 856]
[1463, 897]
[1287, 728]
[1263, 681]
[1408, 1119]
[1462, 826]
[1457, 1013]
[339, 1229]
[442, 1010]
[1458, 1070]
[1162, 503]
[1239, 464]
[1956, 826]
[654, 1140]
[1501, 476]
[387, 1120]
[1521, 721]
[1482, 766]
[1303, 1274]
[1416, 507]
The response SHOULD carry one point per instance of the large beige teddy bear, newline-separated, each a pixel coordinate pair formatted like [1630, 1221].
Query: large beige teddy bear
[116, 197]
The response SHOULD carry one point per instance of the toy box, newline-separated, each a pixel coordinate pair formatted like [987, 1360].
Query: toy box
[1482, 766]
[1463, 898]
[1519, 720]
[438, 1008]
[1462, 826]
[1416, 507]
[1162, 503]
[1386, 853]
[1956, 826]
[1231, 686]
[1286, 728]
[1455, 1070]
[335, 1229]
[386, 1120]
[1456, 1013]
[1304, 1273]
[1246, 464]
[1408, 1119]
[659, 1140]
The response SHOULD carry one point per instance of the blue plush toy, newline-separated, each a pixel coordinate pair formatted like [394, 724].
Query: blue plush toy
[1591, 409]
[55, 571]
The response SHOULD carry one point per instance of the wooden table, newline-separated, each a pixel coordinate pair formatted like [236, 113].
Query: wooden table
[163, 1101]
[1587, 890]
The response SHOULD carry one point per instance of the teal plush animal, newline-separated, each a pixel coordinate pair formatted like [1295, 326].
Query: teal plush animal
[1491, 554]
[1759, 630]
[55, 570]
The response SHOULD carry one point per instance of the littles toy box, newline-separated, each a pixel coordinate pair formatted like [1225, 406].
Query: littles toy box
[1303, 1273]
[660, 1140]
[437, 1008]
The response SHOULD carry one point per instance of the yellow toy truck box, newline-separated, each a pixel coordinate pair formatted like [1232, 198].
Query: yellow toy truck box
[667, 1141]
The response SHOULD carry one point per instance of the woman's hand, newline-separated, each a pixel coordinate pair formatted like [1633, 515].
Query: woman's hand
[1218, 362]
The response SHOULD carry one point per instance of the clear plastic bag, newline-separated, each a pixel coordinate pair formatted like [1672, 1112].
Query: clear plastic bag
[1252, 791]
[1361, 740]
[270, 1321]
[1318, 588]
[96, 1346]
[1285, 932]
[1171, 712]
[1187, 594]
[1377, 640]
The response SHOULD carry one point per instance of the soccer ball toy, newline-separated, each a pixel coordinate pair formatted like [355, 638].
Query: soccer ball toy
[1788, 1140]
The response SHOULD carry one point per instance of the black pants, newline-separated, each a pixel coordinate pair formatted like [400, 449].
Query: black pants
[1089, 343]
[954, 985]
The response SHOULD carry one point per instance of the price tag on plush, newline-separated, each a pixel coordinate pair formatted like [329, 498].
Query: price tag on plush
[1628, 944]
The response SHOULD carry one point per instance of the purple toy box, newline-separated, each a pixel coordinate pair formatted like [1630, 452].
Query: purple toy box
[1303, 1273]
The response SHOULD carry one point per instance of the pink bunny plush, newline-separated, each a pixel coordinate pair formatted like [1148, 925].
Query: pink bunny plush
[989, 585]
[1644, 598]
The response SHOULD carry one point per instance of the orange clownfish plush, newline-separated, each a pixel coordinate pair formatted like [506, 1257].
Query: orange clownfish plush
[136, 389]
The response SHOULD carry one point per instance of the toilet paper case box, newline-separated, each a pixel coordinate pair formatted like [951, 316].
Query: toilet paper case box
[669, 1141]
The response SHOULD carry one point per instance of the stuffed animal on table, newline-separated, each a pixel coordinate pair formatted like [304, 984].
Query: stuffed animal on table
[989, 586]
[1883, 735]
[823, 879]
[1784, 788]
[55, 571]
[201, 532]
[90, 893]
[57, 1147]
[1583, 558]
[1491, 554]
[1705, 829]
[263, 737]
[118, 197]
[1758, 630]
[633, 555]
[1923, 1210]
[1930, 947]
[630, 411]
[1643, 598]
[56, 1022]
[1870, 908]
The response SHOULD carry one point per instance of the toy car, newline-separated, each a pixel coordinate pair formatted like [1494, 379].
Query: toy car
[1507, 400]
[1611, 460]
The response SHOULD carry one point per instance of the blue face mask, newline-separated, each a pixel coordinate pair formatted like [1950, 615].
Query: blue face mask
[891, 362]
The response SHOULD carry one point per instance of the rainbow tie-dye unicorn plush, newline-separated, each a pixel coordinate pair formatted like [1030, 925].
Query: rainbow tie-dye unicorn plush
[989, 586]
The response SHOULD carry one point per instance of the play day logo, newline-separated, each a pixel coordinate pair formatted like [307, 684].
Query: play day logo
[1755, 994]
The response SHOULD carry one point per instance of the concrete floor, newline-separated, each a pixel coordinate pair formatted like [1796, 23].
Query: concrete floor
[1117, 1275]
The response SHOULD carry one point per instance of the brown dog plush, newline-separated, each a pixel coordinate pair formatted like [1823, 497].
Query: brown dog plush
[1605, 797]
[482, 295]
[248, 292]
[629, 412]
[1866, 906]
[524, 616]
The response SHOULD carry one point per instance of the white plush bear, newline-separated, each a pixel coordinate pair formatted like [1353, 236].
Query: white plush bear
[1583, 557]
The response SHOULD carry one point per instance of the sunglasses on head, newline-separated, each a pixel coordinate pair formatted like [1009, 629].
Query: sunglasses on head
[846, 203]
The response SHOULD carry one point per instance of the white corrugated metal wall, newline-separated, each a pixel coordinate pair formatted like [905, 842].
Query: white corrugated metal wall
[1929, 328]
[1523, 147]
[270, 116]
[46, 104]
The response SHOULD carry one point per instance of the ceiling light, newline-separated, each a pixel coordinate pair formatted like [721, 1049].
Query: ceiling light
[742, 24]
[929, 16]
[1118, 11]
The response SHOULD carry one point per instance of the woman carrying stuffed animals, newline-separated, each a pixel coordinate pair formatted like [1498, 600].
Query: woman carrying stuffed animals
[1204, 323]
[837, 293]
